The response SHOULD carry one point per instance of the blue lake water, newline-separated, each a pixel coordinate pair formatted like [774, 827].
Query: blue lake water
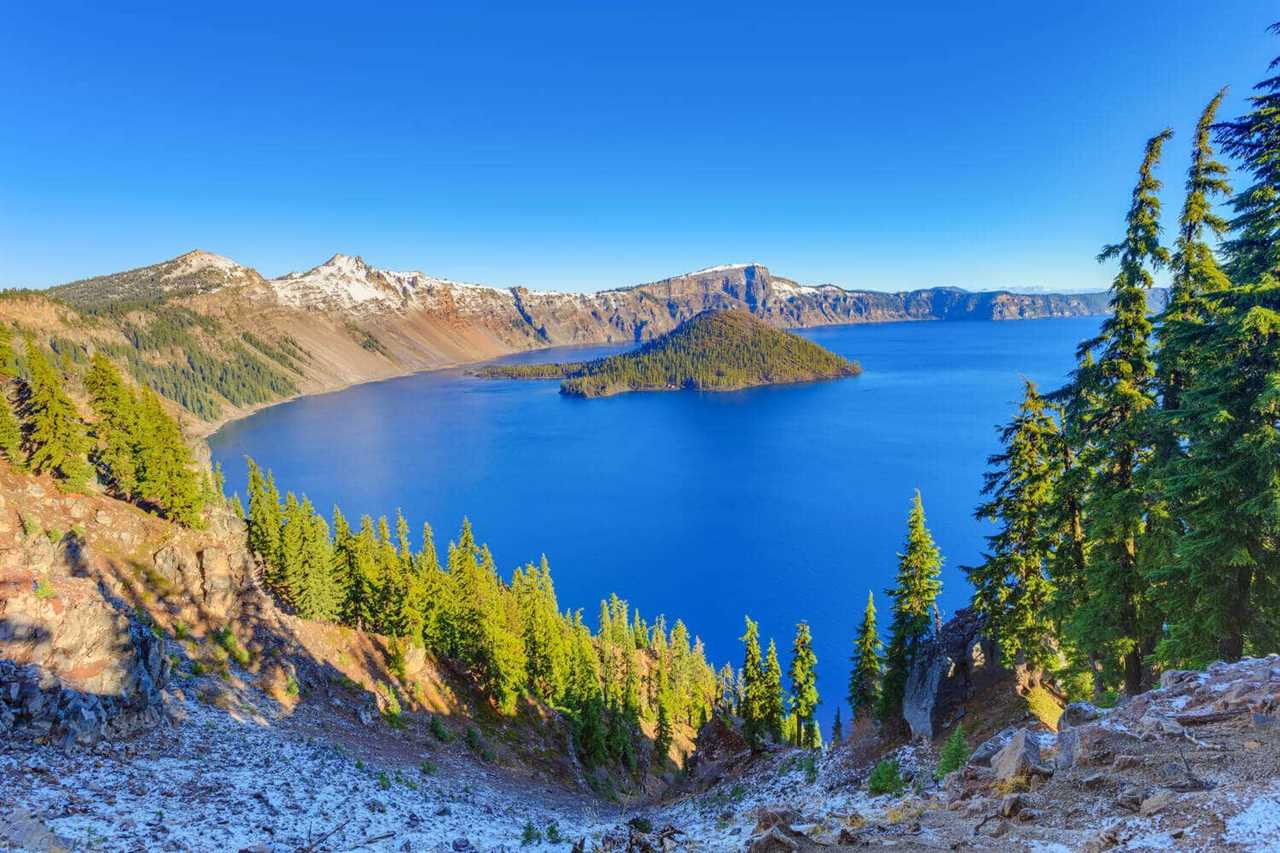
[785, 503]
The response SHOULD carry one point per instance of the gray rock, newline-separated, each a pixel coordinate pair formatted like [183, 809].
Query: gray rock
[987, 750]
[1078, 713]
[1020, 757]
[950, 670]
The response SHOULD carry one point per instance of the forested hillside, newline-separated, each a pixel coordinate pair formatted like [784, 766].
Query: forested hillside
[714, 351]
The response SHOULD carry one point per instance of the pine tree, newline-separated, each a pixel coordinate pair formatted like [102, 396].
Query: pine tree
[10, 428]
[1117, 619]
[1011, 588]
[264, 517]
[804, 680]
[165, 466]
[837, 730]
[8, 360]
[916, 590]
[1254, 248]
[1196, 274]
[955, 752]
[775, 702]
[663, 736]
[1180, 357]
[753, 704]
[116, 428]
[1225, 584]
[286, 579]
[864, 679]
[317, 594]
[56, 437]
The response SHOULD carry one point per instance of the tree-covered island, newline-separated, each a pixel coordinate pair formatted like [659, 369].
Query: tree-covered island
[713, 351]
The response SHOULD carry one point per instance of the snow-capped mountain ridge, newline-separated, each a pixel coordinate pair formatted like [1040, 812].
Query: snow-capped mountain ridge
[349, 282]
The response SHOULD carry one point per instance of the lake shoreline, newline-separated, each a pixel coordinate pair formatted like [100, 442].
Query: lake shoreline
[203, 430]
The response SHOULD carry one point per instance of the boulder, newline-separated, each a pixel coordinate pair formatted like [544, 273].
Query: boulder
[1085, 745]
[1077, 714]
[415, 660]
[1020, 757]
[987, 750]
[951, 669]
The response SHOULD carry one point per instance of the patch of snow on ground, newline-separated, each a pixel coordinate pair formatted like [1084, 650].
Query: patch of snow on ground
[1258, 826]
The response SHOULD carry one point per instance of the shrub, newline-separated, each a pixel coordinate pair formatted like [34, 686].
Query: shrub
[438, 729]
[45, 590]
[226, 638]
[1107, 699]
[291, 687]
[553, 833]
[640, 824]
[886, 778]
[395, 659]
[1013, 785]
[955, 752]
[531, 834]
[1045, 707]
[809, 763]
[55, 535]
[181, 631]
[427, 768]
[391, 711]
[383, 781]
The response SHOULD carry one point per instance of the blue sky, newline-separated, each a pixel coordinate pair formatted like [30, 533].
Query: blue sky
[589, 145]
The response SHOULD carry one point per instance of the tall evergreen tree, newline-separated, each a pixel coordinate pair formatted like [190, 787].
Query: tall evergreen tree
[775, 701]
[115, 428]
[804, 681]
[1012, 587]
[166, 475]
[56, 436]
[1196, 274]
[286, 578]
[753, 704]
[264, 516]
[10, 428]
[316, 592]
[8, 360]
[864, 679]
[1254, 248]
[837, 730]
[663, 733]
[914, 594]
[1224, 587]
[1117, 619]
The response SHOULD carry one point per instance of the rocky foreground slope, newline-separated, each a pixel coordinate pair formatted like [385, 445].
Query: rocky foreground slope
[153, 698]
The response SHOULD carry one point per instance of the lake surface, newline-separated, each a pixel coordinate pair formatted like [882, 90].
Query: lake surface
[785, 503]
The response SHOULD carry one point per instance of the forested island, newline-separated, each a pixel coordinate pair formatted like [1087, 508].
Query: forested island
[713, 351]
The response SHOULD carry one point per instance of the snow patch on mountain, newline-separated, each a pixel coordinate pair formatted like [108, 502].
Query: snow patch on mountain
[200, 261]
[346, 282]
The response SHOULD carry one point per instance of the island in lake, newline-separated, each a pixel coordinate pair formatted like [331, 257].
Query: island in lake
[713, 351]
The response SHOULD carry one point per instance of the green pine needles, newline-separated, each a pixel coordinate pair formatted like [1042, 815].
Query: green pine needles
[914, 595]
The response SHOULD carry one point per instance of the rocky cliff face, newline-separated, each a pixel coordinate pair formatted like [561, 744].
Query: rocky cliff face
[648, 310]
[954, 668]
[80, 658]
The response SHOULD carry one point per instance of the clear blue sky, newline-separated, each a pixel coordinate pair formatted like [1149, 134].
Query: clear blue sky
[587, 145]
